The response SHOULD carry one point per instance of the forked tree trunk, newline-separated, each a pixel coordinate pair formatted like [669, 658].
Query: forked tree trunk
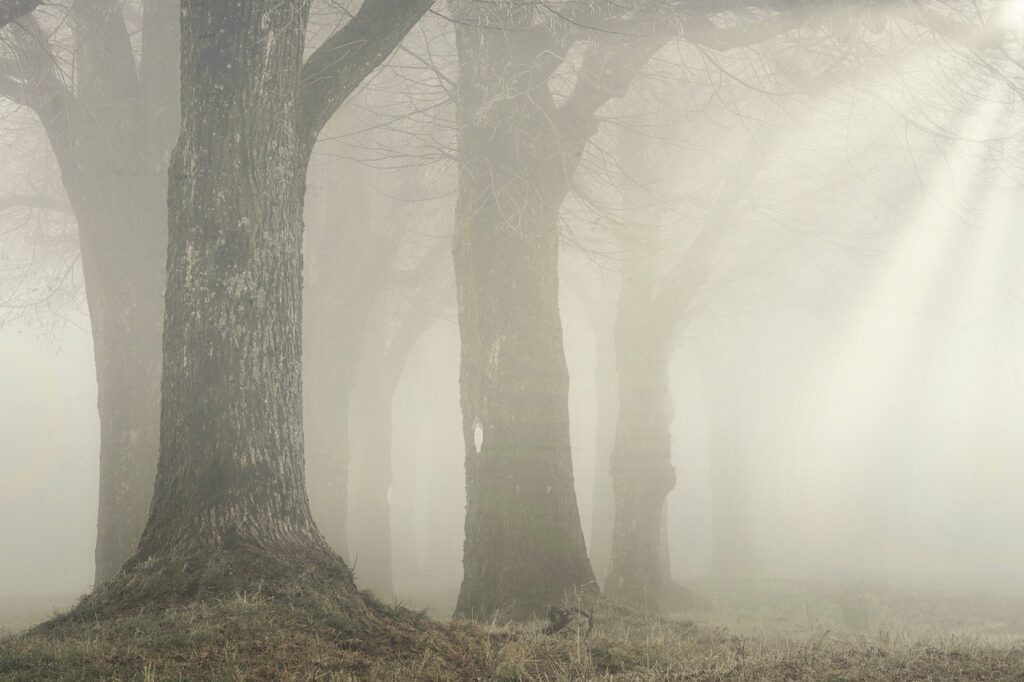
[231, 474]
[524, 547]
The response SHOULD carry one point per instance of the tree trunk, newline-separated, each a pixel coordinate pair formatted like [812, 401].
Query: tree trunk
[230, 498]
[642, 470]
[126, 339]
[731, 537]
[524, 547]
[347, 269]
[112, 139]
[641, 460]
[603, 517]
[332, 341]
[725, 400]
[371, 426]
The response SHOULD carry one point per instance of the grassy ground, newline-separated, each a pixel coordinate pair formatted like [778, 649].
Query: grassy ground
[745, 631]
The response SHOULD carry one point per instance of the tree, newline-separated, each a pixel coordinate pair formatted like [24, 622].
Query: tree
[518, 149]
[392, 339]
[656, 304]
[599, 311]
[521, 135]
[348, 270]
[111, 128]
[351, 272]
[230, 500]
[12, 10]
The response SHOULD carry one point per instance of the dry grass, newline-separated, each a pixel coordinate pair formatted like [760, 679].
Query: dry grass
[776, 632]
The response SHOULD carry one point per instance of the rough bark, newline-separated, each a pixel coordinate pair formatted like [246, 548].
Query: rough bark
[111, 135]
[231, 465]
[524, 546]
[230, 509]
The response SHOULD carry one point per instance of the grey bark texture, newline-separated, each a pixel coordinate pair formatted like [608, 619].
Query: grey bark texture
[231, 467]
[230, 503]
[524, 546]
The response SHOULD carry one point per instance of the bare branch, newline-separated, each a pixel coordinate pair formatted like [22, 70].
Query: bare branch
[11, 10]
[37, 201]
[13, 90]
[44, 90]
[351, 54]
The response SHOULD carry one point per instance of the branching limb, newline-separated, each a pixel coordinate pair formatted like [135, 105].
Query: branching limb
[41, 87]
[37, 201]
[11, 10]
[351, 54]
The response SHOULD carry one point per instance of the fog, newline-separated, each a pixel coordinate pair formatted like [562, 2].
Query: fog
[840, 259]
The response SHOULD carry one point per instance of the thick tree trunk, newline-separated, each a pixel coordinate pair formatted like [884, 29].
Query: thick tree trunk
[524, 547]
[230, 481]
[524, 544]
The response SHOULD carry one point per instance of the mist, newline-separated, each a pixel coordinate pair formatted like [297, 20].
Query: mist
[624, 315]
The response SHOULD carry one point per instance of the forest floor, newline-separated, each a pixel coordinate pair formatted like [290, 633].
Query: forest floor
[742, 631]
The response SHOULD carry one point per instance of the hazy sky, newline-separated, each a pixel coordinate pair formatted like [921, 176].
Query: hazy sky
[49, 444]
